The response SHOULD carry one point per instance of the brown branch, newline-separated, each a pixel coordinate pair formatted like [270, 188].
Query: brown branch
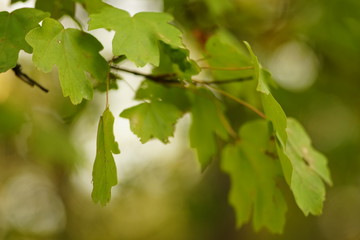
[171, 78]
[163, 78]
[25, 78]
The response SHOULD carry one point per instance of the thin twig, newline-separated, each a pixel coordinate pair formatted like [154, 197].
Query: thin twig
[169, 78]
[164, 78]
[238, 100]
[24, 77]
[223, 81]
[107, 90]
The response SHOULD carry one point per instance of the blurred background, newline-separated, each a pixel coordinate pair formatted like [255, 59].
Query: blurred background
[47, 145]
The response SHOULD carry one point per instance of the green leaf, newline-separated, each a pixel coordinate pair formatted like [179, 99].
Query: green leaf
[137, 37]
[157, 91]
[207, 122]
[152, 120]
[272, 108]
[253, 173]
[176, 61]
[104, 170]
[13, 28]
[309, 169]
[57, 8]
[75, 53]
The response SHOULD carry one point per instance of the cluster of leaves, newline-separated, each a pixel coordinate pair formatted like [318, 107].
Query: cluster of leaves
[257, 157]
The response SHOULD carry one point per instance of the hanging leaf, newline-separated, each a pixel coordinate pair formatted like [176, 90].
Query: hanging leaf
[309, 169]
[137, 37]
[272, 108]
[104, 170]
[13, 28]
[74, 52]
[253, 173]
[152, 120]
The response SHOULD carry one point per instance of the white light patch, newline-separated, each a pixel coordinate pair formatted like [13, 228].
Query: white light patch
[294, 66]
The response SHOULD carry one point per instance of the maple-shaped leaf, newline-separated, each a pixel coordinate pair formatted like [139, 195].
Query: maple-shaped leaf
[13, 28]
[309, 169]
[253, 173]
[208, 121]
[74, 52]
[57, 8]
[137, 37]
[104, 175]
[156, 119]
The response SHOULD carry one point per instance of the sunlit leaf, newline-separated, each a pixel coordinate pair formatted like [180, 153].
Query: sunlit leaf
[137, 37]
[309, 169]
[74, 52]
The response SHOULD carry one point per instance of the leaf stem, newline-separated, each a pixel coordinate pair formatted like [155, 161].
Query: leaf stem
[222, 81]
[227, 68]
[238, 100]
[107, 90]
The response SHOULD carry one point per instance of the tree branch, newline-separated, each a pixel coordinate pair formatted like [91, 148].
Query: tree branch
[24, 77]
[171, 78]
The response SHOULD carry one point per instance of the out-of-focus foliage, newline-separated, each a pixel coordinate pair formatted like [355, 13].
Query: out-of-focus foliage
[39, 164]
